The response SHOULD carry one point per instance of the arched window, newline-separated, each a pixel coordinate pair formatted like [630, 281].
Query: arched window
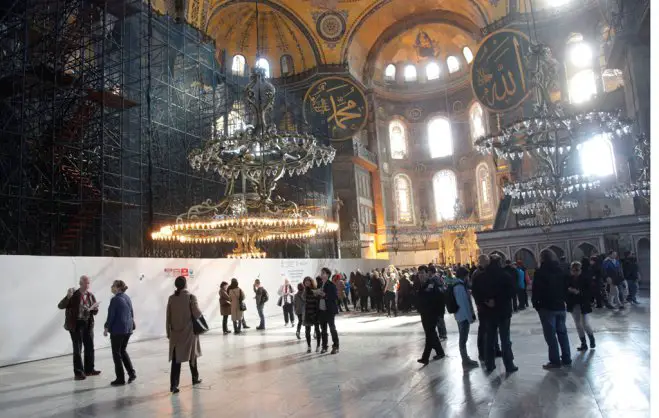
[238, 65]
[390, 72]
[582, 86]
[453, 64]
[403, 196]
[410, 73]
[469, 56]
[476, 121]
[445, 192]
[440, 139]
[485, 199]
[265, 65]
[286, 63]
[397, 140]
[597, 158]
[432, 71]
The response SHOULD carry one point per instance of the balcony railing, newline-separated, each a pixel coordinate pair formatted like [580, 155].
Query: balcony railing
[362, 152]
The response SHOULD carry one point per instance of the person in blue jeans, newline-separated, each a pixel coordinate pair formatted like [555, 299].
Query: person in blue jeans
[548, 296]
[464, 316]
[261, 297]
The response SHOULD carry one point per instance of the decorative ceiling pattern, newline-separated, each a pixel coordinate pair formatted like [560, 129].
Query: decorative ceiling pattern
[317, 32]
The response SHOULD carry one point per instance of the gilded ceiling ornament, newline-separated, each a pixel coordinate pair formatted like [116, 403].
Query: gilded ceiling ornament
[330, 25]
[415, 114]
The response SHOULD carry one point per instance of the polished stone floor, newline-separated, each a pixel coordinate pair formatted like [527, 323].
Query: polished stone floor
[375, 375]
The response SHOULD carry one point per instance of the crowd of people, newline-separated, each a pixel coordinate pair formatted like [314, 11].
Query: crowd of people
[496, 287]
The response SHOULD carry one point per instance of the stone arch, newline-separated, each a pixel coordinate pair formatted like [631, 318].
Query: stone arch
[527, 257]
[557, 251]
[585, 249]
[500, 253]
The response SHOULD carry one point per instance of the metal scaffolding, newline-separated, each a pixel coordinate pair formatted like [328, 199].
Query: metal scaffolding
[101, 101]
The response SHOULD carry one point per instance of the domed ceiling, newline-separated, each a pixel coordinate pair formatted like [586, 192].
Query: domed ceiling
[315, 32]
[422, 44]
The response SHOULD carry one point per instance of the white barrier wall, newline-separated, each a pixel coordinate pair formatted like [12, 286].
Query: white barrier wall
[32, 327]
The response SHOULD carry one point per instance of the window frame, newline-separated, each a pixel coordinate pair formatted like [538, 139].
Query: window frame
[416, 73]
[241, 72]
[482, 211]
[410, 195]
[439, 70]
[433, 149]
[484, 121]
[456, 61]
[267, 68]
[391, 77]
[404, 139]
[437, 195]
[469, 59]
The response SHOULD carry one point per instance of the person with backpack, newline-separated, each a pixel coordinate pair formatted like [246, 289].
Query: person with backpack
[261, 299]
[458, 303]
[430, 297]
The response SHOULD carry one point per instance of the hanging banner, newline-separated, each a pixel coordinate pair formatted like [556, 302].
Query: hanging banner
[499, 76]
[336, 105]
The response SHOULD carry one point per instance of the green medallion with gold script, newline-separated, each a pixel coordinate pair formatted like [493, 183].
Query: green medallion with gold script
[336, 105]
[499, 75]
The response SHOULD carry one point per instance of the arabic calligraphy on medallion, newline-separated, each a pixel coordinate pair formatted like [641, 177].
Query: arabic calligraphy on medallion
[336, 105]
[499, 75]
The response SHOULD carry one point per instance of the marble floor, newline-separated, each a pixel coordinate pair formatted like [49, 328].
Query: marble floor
[375, 375]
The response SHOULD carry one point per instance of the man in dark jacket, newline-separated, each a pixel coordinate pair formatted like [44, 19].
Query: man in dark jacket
[362, 290]
[494, 293]
[81, 307]
[479, 285]
[510, 270]
[630, 270]
[429, 299]
[328, 308]
[549, 292]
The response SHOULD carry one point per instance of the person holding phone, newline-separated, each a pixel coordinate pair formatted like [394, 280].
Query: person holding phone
[120, 325]
[80, 308]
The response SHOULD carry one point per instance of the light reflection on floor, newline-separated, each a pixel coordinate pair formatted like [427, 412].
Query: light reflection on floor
[376, 375]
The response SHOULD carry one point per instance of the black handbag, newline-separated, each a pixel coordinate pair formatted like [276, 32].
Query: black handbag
[243, 307]
[199, 325]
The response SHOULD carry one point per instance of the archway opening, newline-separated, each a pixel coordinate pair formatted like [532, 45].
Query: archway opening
[527, 258]
[583, 250]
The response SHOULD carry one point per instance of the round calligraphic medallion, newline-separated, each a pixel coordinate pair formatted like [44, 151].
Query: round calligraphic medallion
[331, 26]
[335, 105]
[499, 75]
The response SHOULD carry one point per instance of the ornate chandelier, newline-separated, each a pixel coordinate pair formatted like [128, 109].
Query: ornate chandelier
[551, 138]
[259, 157]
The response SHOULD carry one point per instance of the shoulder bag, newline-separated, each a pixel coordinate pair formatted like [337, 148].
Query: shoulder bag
[199, 325]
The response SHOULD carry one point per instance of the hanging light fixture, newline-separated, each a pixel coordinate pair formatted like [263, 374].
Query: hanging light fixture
[258, 156]
[551, 137]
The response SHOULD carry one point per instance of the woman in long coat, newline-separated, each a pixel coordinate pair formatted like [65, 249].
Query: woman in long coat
[183, 342]
[311, 305]
[237, 297]
[225, 307]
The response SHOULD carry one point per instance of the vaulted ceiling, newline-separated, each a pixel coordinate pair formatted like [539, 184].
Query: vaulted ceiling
[315, 32]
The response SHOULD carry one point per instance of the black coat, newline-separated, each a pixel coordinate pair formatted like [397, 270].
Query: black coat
[630, 268]
[493, 283]
[583, 285]
[549, 287]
